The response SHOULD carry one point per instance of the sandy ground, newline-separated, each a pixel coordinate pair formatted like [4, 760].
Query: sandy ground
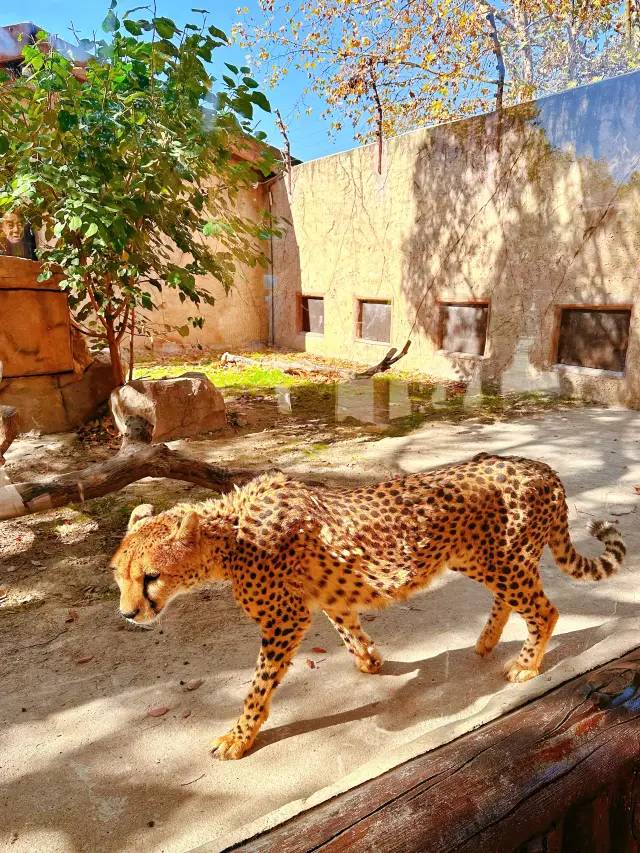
[84, 768]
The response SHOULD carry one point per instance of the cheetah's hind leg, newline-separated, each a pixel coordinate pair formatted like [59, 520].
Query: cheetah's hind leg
[492, 631]
[347, 624]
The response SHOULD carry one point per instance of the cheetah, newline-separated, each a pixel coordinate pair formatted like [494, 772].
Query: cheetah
[289, 548]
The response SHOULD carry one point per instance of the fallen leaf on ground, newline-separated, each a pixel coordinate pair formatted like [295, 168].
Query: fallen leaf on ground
[318, 650]
[310, 664]
[157, 712]
[193, 685]
[71, 616]
[85, 659]
[185, 714]
[368, 617]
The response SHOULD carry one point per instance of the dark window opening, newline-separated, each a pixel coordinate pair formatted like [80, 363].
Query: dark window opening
[594, 337]
[16, 239]
[313, 314]
[463, 328]
[374, 320]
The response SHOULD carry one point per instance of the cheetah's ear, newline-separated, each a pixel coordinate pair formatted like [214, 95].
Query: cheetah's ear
[140, 512]
[187, 530]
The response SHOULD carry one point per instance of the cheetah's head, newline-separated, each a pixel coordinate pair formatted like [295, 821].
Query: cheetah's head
[158, 559]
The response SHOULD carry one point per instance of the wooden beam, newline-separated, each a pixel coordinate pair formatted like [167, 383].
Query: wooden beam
[569, 758]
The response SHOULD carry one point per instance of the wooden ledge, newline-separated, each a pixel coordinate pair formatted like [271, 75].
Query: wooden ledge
[560, 774]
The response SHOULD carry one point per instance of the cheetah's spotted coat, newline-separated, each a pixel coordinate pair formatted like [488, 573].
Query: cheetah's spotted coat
[289, 548]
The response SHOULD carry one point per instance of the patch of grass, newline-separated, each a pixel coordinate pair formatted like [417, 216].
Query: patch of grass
[250, 377]
[112, 511]
[316, 448]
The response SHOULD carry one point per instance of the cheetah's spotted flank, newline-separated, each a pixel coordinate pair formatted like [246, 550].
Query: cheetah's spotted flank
[290, 548]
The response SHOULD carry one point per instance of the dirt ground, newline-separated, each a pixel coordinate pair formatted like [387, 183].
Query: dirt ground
[82, 765]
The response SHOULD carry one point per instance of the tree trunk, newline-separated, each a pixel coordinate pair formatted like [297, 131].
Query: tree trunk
[497, 49]
[632, 23]
[522, 25]
[114, 352]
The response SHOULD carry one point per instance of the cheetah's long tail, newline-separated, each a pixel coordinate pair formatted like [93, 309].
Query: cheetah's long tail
[589, 568]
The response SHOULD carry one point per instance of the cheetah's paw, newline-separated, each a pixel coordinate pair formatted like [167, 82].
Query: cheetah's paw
[229, 747]
[516, 672]
[371, 662]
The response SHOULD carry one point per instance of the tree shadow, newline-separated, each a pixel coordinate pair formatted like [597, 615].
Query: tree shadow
[529, 213]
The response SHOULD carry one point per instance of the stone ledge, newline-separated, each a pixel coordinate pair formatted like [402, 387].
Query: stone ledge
[59, 402]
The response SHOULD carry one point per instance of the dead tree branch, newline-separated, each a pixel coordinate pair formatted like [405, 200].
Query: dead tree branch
[287, 147]
[136, 460]
[389, 360]
[299, 367]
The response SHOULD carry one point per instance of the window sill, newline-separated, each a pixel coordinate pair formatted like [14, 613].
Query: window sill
[589, 371]
[311, 334]
[469, 355]
[375, 343]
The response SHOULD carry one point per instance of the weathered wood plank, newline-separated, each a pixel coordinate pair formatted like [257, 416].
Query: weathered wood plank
[498, 788]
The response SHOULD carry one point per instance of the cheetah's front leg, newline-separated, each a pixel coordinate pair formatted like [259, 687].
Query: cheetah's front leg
[279, 645]
[347, 624]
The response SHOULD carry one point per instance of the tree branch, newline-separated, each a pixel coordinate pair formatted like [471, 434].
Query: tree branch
[136, 460]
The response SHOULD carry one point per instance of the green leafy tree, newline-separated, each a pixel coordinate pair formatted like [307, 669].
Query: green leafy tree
[130, 163]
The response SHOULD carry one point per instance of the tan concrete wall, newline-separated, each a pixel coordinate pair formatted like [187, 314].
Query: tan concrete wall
[541, 212]
[236, 320]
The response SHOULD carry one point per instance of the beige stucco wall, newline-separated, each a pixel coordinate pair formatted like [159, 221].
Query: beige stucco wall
[237, 320]
[551, 218]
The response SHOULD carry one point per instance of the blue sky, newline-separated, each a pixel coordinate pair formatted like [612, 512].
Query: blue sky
[308, 134]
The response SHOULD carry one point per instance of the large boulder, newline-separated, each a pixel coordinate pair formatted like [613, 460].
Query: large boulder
[179, 407]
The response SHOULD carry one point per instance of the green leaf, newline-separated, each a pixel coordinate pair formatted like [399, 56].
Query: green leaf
[200, 11]
[245, 69]
[232, 68]
[111, 24]
[67, 120]
[75, 223]
[4, 145]
[165, 27]
[91, 230]
[230, 83]
[133, 27]
[183, 331]
[218, 34]
[260, 100]
[250, 82]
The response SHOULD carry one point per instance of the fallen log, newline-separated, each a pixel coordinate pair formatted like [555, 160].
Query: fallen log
[292, 367]
[298, 367]
[135, 460]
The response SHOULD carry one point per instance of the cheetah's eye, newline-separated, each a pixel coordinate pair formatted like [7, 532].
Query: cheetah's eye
[151, 576]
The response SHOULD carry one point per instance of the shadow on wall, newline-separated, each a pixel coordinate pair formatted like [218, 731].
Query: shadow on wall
[530, 211]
